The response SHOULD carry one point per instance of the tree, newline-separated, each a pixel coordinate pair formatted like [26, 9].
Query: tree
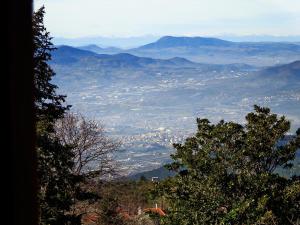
[225, 174]
[57, 183]
[110, 212]
[55, 178]
[92, 148]
[49, 106]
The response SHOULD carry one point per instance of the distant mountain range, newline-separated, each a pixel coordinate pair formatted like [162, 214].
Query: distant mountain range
[68, 54]
[119, 42]
[130, 42]
[211, 51]
[198, 42]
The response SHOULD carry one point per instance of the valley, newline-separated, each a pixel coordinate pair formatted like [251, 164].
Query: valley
[149, 103]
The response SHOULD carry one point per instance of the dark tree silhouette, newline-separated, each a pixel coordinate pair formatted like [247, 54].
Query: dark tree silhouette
[49, 105]
[57, 184]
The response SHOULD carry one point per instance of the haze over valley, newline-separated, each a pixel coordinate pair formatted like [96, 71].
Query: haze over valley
[150, 96]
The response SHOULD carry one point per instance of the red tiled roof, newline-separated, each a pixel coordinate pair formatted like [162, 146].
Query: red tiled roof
[155, 210]
[123, 213]
[90, 218]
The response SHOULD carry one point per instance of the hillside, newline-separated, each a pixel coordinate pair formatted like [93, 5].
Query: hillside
[218, 51]
[161, 173]
[280, 77]
[289, 71]
[66, 54]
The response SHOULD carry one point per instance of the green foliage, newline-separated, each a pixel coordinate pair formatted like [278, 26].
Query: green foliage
[225, 174]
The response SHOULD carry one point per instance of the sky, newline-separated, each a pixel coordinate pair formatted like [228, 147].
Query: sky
[131, 18]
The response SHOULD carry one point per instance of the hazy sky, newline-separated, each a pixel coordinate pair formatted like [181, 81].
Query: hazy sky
[123, 18]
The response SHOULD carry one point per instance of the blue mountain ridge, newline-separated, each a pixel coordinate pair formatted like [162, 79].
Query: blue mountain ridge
[71, 55]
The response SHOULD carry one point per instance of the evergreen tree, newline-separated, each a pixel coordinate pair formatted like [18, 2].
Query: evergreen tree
[49, 106]
[57, 183]
[225, 174]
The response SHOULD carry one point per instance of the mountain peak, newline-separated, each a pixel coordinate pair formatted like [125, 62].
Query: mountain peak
[70, 49]
[171, 41]
[69, 54]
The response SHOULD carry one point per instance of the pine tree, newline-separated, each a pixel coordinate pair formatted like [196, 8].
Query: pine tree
[56, 182]
[49, 106]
